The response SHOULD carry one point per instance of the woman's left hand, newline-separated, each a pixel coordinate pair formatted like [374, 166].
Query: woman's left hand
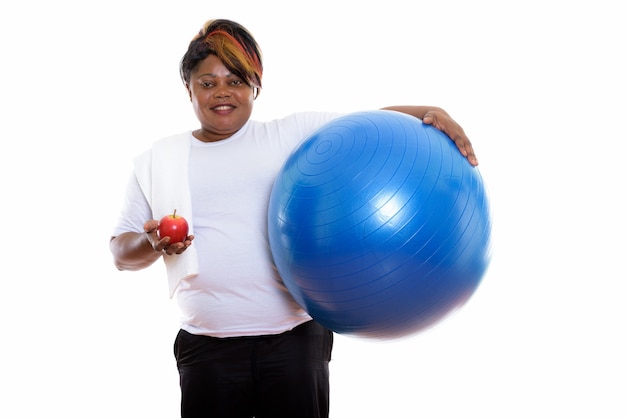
[440, 119]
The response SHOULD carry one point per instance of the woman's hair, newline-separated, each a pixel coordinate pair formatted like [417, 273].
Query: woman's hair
[232, 44]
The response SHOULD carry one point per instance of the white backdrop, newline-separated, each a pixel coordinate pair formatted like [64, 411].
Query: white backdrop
[538, 87]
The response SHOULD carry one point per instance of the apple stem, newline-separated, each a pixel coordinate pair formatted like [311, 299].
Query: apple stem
[174, 214]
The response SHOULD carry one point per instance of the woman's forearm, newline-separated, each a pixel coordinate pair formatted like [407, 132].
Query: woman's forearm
[133, 251]
[417, 111]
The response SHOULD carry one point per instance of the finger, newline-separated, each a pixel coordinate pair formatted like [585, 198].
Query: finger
[430, 118]
[162, 245]
[466, 149]
[171, 249]
[471, 157]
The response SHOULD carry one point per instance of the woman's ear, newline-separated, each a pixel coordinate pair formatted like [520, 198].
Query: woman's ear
[188, 90]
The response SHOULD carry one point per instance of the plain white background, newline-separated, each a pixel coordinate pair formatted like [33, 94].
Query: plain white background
[537, 85]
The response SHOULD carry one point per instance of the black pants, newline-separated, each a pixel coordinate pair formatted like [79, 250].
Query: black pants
[272, 376]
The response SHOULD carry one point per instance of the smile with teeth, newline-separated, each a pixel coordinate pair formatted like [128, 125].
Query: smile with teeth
[223, 107]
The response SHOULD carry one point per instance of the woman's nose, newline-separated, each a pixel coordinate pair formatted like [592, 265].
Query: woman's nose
[222, 91]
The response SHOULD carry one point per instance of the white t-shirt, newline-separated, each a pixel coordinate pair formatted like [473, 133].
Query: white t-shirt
[238, 291]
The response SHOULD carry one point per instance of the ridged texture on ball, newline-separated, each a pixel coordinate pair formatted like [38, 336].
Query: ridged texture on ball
[379, 227]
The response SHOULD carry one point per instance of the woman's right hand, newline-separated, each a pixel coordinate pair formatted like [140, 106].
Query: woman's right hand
[163, 244]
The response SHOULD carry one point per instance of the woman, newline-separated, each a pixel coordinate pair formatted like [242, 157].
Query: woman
[245, 348]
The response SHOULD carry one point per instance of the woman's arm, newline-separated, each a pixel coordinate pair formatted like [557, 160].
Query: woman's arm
[441, 120]
[138, 250]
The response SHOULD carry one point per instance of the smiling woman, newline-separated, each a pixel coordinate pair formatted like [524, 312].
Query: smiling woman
[222, 72]
[234, 304]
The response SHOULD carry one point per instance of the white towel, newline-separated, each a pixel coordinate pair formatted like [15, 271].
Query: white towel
[163, 175]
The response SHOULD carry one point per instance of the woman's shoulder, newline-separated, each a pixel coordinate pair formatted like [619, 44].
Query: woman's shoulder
[298, 120]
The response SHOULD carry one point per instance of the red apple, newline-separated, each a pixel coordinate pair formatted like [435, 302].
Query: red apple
[173, 226]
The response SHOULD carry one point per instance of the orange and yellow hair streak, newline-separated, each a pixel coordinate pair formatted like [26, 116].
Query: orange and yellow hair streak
[237, 54]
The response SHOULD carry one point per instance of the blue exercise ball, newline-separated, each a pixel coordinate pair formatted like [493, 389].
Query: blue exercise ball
[378, 226]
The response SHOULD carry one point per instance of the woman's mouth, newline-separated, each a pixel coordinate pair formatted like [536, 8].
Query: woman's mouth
[223, 108]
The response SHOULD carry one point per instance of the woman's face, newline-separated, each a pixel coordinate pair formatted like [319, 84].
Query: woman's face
[222, 101]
